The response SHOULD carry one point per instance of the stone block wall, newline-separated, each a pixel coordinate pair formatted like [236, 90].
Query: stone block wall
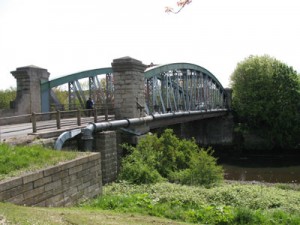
[61, 185]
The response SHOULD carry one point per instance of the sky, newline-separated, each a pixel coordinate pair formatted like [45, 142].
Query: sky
[68, 36]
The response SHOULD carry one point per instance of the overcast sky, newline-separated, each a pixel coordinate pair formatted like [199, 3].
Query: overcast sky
[68, 36]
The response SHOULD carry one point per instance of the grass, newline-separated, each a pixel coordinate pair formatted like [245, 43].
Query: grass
[225, 204]
[15, 160]
[11, 214]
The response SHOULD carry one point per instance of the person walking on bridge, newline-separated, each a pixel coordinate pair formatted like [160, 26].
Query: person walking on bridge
[89, 105]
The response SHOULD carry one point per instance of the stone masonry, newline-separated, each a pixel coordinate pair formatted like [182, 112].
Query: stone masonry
[62, 185]
[129, 96]
[29, 80]
[106, 144]
[129, 87]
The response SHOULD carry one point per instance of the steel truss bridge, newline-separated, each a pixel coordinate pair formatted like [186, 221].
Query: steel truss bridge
[168, 88]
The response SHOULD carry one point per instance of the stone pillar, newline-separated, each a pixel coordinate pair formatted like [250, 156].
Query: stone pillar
[106, 143]
[129, 85]
[129, 95]
[29, 80]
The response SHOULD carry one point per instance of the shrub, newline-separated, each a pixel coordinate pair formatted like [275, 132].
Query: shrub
[203, 170]
[138, 167]
[168, 157]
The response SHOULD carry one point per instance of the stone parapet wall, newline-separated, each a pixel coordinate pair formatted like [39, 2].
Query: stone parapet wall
[61, 185]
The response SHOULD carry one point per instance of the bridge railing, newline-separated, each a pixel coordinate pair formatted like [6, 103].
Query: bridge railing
[59, 119]
[66, 118]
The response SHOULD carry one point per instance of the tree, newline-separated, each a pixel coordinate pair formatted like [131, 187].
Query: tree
[181, 4]
[266, 98]
[6, 96]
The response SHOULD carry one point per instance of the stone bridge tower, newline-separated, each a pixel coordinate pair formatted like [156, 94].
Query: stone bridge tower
[29, 80]
[129, 93]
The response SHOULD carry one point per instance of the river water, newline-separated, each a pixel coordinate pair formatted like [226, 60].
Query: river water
[263, 168]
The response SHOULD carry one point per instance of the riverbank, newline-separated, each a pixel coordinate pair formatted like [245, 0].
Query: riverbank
[164, 203]
[229, 203]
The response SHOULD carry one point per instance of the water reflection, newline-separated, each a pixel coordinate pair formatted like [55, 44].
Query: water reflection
[278, 169]
[271, 175]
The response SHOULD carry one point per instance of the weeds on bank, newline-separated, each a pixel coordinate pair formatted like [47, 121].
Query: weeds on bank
[224, 204]
[17, 159]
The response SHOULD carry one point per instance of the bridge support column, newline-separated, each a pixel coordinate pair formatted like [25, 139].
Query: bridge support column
[129, 96]
[106, 144]
[29, 80]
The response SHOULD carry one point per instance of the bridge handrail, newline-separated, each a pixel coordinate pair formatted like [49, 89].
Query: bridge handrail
[78, 113]
[33, 118]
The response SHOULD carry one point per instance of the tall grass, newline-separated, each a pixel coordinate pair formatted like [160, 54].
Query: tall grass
[17, 159]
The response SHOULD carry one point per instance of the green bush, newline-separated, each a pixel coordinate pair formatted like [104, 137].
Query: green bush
[203, 170]
[136, 170]
[167, 157]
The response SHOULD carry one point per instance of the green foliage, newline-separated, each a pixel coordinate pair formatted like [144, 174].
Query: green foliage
[203, 170]
[167, 157]
[18, 159]
[6, 96]
[266, 97]
[225, 204]
[62, 95]
[138, 169]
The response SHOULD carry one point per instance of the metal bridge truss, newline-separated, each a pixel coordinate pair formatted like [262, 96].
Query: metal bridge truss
[168, 88]
[101, 91]
[177, 88]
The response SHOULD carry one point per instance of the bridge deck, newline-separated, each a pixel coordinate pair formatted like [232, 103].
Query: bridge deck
[46, 129]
